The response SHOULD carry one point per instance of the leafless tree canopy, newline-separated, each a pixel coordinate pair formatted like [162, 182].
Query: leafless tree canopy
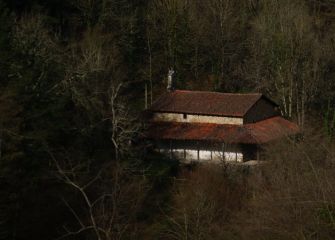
[75, 76]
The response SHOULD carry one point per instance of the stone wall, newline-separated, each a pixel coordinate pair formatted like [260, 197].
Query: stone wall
[190, 118]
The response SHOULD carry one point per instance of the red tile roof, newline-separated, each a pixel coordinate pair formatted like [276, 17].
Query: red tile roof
[207, 103]
[255, 133]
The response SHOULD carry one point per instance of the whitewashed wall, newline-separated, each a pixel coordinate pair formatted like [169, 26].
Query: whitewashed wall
[189, 155]
[233, 156]
[177, 117]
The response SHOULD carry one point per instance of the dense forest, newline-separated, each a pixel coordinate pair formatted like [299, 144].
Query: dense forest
[75, 76]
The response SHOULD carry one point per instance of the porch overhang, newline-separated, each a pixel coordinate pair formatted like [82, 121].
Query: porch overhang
[255, 133]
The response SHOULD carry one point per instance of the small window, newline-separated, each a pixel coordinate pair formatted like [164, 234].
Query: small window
[185, 116]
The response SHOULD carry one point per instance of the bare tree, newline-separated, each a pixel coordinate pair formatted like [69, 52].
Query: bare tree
[293, 197]
[202, 203]
[287, 60]
[95, 81]
[109, 197]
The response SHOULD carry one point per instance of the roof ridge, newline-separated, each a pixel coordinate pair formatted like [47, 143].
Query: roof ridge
[247, 110]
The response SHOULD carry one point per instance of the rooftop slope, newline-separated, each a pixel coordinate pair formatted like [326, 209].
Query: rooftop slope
[255, 133]
[207, 103]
